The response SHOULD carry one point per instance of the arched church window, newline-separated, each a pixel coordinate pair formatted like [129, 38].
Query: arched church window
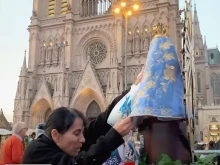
[199, 82]
[51, 7]
[202, 100]
[217, 102]
[215, 84]
[212, 58]
[64, 6]
[213, 120]
[197, 101]
[97, 52]
[196, 52]
[93, 110]
[145, 29]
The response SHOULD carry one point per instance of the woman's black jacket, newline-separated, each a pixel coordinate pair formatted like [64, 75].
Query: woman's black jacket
[101, 140]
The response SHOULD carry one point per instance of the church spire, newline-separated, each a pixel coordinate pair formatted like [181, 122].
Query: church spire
[198, 40]
[196, 23]
[27, 92]
[23, 72]
[205, 41]
[205, 51]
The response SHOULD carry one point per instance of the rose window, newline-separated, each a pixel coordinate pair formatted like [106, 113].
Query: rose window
[96, 52]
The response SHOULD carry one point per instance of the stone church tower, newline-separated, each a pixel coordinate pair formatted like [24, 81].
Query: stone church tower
[204, 88]
[76, 51]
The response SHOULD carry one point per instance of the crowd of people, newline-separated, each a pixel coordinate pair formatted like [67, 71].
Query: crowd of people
[67, 139]
[212, 145]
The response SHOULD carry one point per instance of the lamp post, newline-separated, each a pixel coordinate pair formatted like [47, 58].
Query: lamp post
[125, 8]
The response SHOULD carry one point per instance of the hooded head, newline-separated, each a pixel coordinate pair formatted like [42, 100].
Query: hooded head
[40, 129]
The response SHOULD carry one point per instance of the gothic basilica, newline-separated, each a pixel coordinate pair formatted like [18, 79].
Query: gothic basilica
[76, 54]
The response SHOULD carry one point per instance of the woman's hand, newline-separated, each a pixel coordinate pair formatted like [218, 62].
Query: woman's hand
[124, 126]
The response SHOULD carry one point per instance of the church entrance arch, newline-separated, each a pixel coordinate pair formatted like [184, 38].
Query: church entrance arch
[40, 112]
[87, 100]
[93, 110]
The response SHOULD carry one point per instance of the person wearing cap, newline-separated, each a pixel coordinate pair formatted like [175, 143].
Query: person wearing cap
[13, 149]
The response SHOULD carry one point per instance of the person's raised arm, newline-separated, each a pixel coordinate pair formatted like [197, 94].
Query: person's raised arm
[99, 126]
[98, 153]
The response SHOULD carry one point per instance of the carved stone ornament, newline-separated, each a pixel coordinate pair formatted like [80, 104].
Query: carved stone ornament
[149, 3]
[88, 80]
[52, 21]
[91, 35]
[96, 52]
[34, 13]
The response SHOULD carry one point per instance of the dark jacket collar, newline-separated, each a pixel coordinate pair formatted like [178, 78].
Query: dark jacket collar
[49, 141]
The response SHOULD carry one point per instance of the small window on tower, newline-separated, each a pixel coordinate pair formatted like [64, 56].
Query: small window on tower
[212, 58]
[196, 52]
[51, 8]
[64, 6]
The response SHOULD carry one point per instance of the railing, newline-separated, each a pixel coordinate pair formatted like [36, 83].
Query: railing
[95, 7]
[207, 152]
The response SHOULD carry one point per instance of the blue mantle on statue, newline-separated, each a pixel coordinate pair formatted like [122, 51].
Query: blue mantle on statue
[161, 90]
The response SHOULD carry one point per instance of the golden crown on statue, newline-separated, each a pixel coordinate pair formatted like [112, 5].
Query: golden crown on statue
[160, 29]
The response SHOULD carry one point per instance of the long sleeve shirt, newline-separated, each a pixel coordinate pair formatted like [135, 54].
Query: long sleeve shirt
[12, 151]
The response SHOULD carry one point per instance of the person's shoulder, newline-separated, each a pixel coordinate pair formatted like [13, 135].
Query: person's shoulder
[43, 150]
[32, 147]
[35, 143]
[14, 138]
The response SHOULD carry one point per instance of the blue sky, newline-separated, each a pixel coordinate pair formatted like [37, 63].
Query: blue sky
[15, 18]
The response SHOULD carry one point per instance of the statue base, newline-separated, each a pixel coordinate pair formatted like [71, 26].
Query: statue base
[165, 137]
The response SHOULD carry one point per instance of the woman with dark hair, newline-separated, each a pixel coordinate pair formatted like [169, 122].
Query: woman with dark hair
[67, 140]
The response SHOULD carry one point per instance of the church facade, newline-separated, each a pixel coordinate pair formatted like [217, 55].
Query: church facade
[207, 65]
[76, 54]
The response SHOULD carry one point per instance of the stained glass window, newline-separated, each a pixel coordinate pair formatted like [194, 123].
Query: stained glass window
[97, 52]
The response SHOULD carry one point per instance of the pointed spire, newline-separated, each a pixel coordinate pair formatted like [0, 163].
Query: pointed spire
[196, 31]
[196, 22]
[24, 62]
[1, 112]
[18, 90]
[67, 88]
[23, 72]
[205, 41]
[56, 92]
[44, 77]
[108, 84]
[195, 6]
[27, 92]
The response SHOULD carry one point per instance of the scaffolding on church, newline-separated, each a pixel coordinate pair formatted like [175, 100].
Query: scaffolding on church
[188, 71]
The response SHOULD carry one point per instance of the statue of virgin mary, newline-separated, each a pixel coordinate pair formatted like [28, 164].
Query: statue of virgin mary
[161, 91]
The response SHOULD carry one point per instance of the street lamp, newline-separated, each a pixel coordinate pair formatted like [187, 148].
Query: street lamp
[125, 8]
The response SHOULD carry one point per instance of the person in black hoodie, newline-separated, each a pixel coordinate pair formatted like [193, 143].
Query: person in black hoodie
[67, 140]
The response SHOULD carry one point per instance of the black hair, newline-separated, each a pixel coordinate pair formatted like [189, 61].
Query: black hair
[33, 133]
[62, 119]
